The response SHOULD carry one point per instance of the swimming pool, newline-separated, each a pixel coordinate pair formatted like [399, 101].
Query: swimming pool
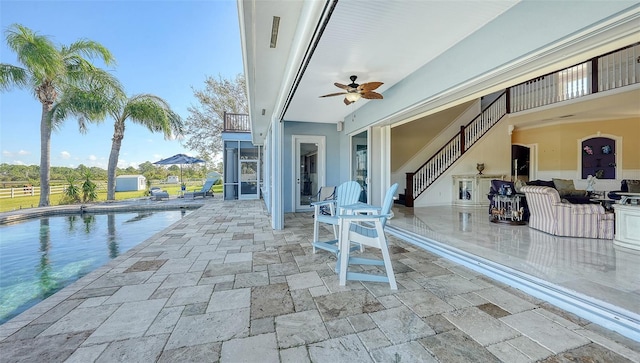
[41, 256]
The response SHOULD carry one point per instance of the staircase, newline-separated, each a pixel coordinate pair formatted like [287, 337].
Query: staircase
[428, 173]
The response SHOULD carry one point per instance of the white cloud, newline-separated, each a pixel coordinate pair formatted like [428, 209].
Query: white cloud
[65, 154]
[92, 158]
[18, 162]
[7, 153]
[23, 152]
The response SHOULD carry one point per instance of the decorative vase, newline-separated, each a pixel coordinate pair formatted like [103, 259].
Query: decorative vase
[480, 168]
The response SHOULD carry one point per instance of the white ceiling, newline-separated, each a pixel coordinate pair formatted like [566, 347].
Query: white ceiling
[381, 41]
[378, 41]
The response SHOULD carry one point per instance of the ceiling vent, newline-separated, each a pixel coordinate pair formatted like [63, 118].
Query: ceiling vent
[274, 31]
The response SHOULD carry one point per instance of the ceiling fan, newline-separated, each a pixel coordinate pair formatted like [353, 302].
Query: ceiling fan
[355, 91]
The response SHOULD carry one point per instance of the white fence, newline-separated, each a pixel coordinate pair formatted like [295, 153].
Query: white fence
[29, 191]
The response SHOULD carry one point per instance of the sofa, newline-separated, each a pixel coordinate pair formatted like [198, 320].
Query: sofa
[565, 189]
[549, 214]
[626, 186]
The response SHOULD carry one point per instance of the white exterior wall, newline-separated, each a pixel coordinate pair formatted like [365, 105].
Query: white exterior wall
[127, 183]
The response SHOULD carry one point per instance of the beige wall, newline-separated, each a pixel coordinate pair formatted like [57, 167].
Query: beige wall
[557, 144]
[408, 139]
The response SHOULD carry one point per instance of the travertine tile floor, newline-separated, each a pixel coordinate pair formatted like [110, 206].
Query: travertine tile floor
[596, 268]
[221, 285]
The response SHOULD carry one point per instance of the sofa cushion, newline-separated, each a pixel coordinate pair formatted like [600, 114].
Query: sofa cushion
[542, 183]
[577, 193]
[564, 186]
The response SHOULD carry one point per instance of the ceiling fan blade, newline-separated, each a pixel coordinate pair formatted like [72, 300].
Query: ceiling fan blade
[347, 102]
[371, 95]
[334, 94]
[343, 86]
[369, 86]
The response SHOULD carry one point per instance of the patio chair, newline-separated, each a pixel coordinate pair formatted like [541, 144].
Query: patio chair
[159, 194]
[208, 184]
[366, 230]
[324, 194]
[347, 193]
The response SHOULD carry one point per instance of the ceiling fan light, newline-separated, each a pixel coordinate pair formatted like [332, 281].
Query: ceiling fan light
[352, 96]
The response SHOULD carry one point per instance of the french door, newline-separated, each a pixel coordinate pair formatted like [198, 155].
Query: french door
[360, 163]
[309, 169]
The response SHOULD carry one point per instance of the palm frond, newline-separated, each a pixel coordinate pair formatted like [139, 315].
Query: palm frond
[89, 49]
[12, 76]
[154, 113]
[35, 52]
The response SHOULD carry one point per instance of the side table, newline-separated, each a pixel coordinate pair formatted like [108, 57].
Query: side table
[604, 202]
[507, 209]
[627, 226]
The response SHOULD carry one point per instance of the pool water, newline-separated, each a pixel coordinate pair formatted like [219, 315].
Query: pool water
[41, 256]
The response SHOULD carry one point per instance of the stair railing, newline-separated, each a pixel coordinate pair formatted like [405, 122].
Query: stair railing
[432, 169]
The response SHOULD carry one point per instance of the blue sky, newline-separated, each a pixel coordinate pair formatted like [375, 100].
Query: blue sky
[166, 48]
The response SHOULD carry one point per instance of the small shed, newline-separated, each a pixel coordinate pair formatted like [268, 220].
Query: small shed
[173, 179]
[127, 183]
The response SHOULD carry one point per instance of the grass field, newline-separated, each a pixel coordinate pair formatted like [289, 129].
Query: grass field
[9, 204]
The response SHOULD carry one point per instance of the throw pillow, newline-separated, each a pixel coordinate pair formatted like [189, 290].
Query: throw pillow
[633, 186]
[564, 186]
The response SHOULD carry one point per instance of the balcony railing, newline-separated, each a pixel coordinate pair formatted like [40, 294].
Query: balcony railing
[613, 70]
[236, 122]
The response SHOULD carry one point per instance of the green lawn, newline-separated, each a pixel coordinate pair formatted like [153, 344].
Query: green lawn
[9, 204]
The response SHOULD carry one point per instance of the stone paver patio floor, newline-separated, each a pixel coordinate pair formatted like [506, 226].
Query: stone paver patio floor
[221, 285]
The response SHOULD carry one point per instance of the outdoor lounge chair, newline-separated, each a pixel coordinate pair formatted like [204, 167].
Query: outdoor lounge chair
[208, 184]
[158, 194]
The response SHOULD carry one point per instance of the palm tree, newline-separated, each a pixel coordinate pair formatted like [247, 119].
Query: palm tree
[64, 81]
[147, 110]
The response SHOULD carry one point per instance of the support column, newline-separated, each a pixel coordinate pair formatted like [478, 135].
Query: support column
[277, 211]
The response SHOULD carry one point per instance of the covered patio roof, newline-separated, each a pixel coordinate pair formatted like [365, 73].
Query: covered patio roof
[430, 55]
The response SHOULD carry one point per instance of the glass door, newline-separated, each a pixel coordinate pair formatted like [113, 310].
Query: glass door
[249, 158]
[360, 163]
[309, 170]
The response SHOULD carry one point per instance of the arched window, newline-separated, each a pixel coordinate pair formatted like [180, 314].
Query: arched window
[599, 157]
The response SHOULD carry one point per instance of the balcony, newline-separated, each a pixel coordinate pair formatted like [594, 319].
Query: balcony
[617, 69]
[236, 122]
